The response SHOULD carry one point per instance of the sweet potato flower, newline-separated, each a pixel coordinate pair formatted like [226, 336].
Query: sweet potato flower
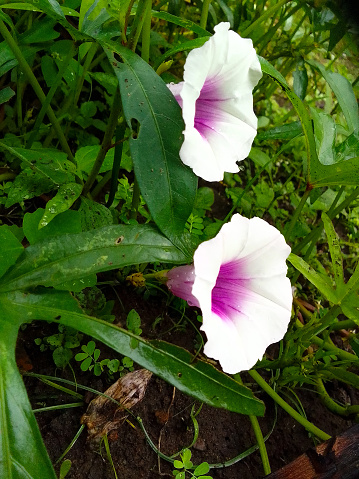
[239, 281]
[217, 103]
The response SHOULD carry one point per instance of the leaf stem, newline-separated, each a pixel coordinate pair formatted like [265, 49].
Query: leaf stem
[332, 405]
[106, 142]
[204, 14]
[137, 24]
[36, 87]
[283, 404]
[135, 200]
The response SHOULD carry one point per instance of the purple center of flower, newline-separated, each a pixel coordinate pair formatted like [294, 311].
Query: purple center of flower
[207, 109]
[230, 290]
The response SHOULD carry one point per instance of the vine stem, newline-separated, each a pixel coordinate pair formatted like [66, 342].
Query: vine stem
[36, 87]
[204, 14]
[296, 214]
[259, 436]
[106, 142]
[284, 405]
[146, 33]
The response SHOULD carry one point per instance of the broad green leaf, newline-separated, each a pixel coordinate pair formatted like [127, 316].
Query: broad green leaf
[343, 90]
[343, 173]
[325, 135]
[10, 249]
[6, 94]
[40, 32]
[335, 251]
[94, 215]
[49, 162]
[166, 184]
[64, 223]
[27, 185]
[22, 452]
[283, 132]
[324, 285]
[62, 201]
[75, 256]
[173, 364]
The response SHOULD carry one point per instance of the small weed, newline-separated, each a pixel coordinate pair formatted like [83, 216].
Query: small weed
[183, 467]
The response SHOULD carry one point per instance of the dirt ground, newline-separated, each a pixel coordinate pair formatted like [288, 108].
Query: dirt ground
[165, 413]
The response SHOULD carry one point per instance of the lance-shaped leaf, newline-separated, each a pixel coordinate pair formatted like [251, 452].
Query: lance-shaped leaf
[10, 248]
[74, 256]
[22, 452]
[166, 184]
[173, 364]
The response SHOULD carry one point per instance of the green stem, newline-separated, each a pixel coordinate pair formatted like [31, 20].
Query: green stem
[296, 215]
[146, 33]
[268, 14]
[283, 404]
[36, 87]
[106, 142]
[258, 434]
[261, 444]
[135, 200]
[137, 25]
[50, 96]
[332, 405]
[204, 14]
[345, 324]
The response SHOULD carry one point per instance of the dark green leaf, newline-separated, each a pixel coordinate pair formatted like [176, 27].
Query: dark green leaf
[182, 22]
[94, 215]
[70, 257]
[10, 248]
[300, 79]
[182, 47]
[173, 364]
[64, 223]
[167, 185]
[22, 452]
[335, 252]
[6, 94]
[325, 135]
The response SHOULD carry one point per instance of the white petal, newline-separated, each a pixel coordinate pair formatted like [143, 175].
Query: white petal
[217, 101]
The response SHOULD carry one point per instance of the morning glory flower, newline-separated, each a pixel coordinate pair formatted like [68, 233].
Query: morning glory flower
[239, 281]
[217, 103]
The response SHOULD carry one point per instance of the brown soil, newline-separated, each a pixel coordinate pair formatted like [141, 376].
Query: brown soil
[222, 435]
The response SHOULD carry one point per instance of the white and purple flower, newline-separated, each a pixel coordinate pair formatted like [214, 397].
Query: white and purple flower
[217, 103]
[239, 281]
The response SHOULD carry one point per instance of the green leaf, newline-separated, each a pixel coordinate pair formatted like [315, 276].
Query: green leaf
[22, 452]
[345, 376]
[324, 285]
[75, 256]
[283, 132]
[92, 6]
[64, 223]
[325, 135]
[182, 22]
[62, 201]
[26, 185]
[335, 251]
[166, 184]
[173, 364]
[94, 215]
[10, 248]
[6, 94]
[201, 469]
[300, 79]
[343, 90]
[178, 464]
[52, 164]
[260, 158]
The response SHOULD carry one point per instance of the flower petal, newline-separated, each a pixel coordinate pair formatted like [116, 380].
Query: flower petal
[216, 99]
